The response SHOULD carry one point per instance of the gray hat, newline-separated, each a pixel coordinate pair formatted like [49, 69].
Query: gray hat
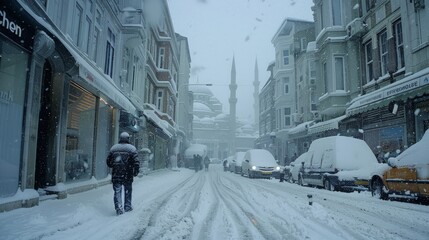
[124, 137]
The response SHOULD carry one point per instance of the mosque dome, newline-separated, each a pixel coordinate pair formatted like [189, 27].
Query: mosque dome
[200, 89]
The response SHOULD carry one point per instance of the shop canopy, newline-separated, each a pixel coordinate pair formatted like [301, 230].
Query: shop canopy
[325, 125]
[411, 86]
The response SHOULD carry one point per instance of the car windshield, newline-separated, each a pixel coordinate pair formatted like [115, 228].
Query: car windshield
[214, 119]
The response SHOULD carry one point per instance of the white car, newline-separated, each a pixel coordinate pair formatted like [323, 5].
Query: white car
[260, 163]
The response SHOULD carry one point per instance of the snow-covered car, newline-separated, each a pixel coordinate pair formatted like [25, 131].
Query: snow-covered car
[407, 174]
[295, 167]
[239, 156]
[260, 163]
[339, 163]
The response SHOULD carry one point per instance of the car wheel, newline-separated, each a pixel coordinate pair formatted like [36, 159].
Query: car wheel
[379, 190]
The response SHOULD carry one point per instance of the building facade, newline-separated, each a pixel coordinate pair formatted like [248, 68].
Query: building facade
[75, 74]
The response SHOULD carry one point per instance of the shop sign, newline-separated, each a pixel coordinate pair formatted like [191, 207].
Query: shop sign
[9, 25]
[16, 24]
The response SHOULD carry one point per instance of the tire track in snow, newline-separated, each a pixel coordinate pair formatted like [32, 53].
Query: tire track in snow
[185, 193]
[315, 226]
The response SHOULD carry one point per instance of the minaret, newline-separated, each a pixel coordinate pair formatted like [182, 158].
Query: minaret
[232, 107]
[256, 95]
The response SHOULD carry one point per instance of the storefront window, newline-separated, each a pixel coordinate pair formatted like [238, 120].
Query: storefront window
[105, 130]
[389, 141]
[13, 65]
[80, 134]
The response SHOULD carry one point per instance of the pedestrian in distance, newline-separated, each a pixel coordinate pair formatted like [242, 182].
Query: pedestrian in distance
[206, 163]
[196, 162]
[123, 159]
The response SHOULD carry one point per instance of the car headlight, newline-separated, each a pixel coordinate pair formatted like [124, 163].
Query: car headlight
[253, 167]
[278, 168]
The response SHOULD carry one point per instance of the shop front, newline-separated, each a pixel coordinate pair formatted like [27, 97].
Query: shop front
[393, 117]
[16, 43]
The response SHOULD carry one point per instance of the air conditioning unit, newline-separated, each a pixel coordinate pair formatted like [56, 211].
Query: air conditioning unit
[296, 117]
[356, 28]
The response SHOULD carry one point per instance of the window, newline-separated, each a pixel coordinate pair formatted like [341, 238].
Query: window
[368, 62]
[382, 46]
[95, 44]
[125, 65]
[161, 57]
[286, 85]
[325, 77]
[110, 53]
[159, 99]
[77, 24]
[133, 79]
[313, 101]
[287, 116]
[285, 57]
[86, 38]
[13, 75]
[399, 44]
[303, 44]
[336, 13]
[80, 133]
[339, 73]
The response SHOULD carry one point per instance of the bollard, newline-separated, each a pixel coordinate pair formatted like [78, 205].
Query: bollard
[310, 199]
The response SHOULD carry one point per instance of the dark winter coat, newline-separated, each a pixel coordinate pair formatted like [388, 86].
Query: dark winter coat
[123, 159]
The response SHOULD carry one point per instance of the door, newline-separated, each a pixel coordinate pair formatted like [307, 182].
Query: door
[402, 179]
[48, 121]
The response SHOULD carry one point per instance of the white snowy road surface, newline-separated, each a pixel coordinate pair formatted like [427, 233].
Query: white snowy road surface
[218, 205]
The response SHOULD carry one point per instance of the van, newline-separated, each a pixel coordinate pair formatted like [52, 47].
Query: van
[260, 163]
[338, 163]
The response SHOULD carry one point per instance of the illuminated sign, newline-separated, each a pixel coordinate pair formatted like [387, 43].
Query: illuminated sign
[9, 24]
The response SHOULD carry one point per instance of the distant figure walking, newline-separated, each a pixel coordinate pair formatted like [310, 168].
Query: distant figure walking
[123, 159]
[225, 165]
[197, 162]
[206, 163]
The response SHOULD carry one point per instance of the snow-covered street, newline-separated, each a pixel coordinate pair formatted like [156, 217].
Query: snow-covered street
[218, 205]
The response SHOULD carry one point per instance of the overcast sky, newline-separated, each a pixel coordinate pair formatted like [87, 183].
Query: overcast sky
[217, 30]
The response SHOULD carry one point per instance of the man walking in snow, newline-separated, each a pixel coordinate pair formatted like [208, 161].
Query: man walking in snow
[123, 159]
[206, 163]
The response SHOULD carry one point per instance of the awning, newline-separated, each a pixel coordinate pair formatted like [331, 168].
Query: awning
[300, 128]
[325, 125]
[91, 75]
[411, 86]
[162, 124]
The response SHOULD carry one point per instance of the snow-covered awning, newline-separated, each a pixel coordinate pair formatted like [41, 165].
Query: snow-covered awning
[301, 127]
[411, 86]
[162, 124]
[325, 125]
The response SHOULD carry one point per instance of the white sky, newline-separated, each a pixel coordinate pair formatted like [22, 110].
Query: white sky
[218, 29]
[217, 205]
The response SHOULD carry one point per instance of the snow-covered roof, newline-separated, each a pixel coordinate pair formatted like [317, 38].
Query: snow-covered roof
[202, 108]
[200, 89]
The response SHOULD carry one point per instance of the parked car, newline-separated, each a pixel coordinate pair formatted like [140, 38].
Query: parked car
[338, 163]
[260, 163]
[239, 156]
[295, 168]
[407, 174]
[231, 163]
